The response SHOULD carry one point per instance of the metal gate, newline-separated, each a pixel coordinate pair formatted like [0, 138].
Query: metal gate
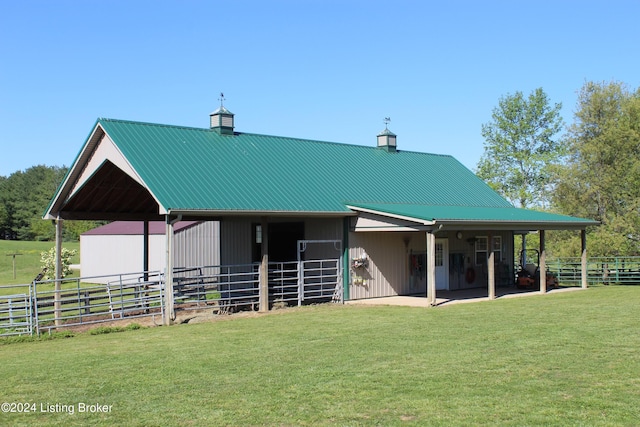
[320, 277]
[16, 317]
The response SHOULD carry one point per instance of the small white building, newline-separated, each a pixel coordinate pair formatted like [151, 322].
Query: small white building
[118, 247]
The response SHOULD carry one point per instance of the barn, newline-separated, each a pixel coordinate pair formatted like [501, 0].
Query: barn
[119, 247]
[386, 221]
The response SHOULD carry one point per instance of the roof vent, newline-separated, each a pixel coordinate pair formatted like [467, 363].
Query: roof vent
[386, 138]
[222, 119]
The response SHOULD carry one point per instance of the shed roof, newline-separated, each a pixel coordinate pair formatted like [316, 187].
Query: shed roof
[183, 170]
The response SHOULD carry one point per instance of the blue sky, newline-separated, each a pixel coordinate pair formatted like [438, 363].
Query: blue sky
[316, 69]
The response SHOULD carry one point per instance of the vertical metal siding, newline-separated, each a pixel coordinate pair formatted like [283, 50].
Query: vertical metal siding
[388, 270]
[323, 229]
[235, 241]
[198, 245]
[386, 273]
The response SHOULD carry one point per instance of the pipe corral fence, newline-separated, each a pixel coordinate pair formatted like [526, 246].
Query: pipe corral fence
[38, 307]
[46, 305]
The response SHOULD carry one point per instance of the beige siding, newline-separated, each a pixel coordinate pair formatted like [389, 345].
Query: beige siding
[387, 272]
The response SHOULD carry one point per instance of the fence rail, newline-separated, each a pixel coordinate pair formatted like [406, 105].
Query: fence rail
[607, 270]
[46, 305]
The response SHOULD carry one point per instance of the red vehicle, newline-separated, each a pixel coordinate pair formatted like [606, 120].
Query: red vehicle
[528, 276]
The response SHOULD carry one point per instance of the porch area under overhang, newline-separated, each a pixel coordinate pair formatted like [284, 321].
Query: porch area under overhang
[448, 223]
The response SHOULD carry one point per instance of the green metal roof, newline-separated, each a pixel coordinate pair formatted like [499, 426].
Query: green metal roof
[199, 169]
[462, 214]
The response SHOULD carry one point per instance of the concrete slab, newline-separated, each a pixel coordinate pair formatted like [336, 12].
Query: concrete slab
[444, 298]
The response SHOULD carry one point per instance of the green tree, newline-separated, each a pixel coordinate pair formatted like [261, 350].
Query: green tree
[520, 148]
[601, 177]
[26, 196]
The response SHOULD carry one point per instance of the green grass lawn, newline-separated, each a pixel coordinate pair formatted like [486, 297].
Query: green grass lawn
[564, 359]
[28, 263]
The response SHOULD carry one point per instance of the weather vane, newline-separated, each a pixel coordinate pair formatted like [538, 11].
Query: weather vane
[386, 122]
[221, 99]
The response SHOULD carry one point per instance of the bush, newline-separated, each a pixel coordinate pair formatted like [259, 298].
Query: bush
[48, 262]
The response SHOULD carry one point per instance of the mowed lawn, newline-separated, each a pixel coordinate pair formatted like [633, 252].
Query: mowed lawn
[564, 359]
[27, 262]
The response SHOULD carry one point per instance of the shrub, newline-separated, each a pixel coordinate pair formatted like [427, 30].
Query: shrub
[48, 262]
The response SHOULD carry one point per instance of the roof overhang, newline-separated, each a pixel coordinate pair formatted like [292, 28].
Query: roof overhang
[408, 217]
[102, 185]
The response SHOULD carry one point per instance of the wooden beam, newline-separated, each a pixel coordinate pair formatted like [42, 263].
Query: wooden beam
[145, 249]
[491, 270]
[57, 305]
[431, 268]
[264, 268]
[169, 310]
[543, 263]
[583, 260]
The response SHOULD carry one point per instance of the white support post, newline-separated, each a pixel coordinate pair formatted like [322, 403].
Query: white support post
[543, 264]
[169, 310]
[431, 268]
[583, 261]
[491, 271]
[57, 304]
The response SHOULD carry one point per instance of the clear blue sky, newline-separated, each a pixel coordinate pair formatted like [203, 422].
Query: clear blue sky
[318, 69]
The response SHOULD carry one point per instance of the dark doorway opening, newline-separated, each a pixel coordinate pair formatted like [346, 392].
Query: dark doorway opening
[283, 241]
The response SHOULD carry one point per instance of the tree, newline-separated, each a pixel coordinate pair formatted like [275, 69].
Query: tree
[24, 196]
[601, 177]
[520, 147]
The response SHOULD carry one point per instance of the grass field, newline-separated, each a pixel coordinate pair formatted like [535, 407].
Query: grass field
[565, 359]
[28, 262]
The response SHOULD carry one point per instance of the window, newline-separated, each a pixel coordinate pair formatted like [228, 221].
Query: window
[482, 249]
[439, 258]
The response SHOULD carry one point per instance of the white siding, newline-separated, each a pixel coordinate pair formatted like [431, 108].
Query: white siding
[116, 254]
[102, 255]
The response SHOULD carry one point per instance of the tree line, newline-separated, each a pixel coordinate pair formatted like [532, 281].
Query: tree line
[591, 170]
[24, 197]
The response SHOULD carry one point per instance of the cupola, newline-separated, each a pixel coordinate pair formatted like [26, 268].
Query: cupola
[386, 138]
[222, 119]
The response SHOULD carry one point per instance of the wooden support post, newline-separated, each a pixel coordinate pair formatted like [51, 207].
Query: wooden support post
[543, 264]
[264, 268]
[145, 249]
[169, 310]
[431, 268]
[583, 260]
[491, 270]
[57, 303]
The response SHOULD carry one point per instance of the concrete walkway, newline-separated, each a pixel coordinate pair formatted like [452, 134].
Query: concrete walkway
[444, 298]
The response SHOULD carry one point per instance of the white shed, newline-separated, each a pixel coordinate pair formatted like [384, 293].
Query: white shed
[118, 247]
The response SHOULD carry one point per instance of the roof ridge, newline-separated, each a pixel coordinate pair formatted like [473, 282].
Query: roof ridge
[135, 122]
[370, 147]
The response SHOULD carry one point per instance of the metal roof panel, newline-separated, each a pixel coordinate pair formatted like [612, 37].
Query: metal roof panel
[199, 169]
